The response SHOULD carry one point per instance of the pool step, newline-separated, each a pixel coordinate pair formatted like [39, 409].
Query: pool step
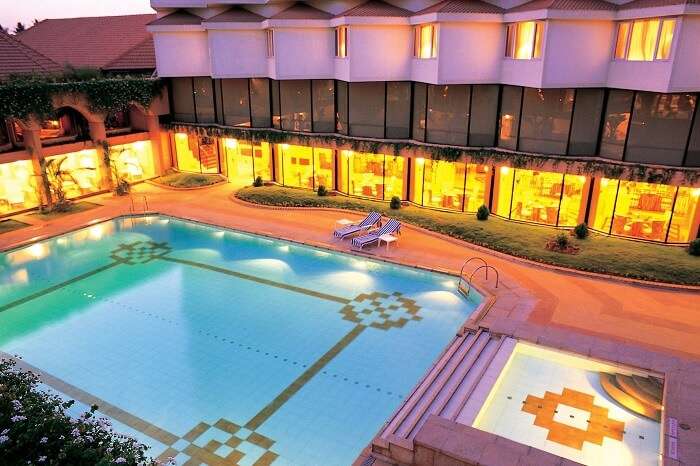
[628, 392]
[455, 388]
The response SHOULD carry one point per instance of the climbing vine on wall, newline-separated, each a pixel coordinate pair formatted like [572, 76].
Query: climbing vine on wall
[577, 166]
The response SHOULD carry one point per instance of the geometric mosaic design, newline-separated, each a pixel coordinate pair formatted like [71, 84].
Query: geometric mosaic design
[140, 252]
[224, 443]
[381, 311]
[599, 425]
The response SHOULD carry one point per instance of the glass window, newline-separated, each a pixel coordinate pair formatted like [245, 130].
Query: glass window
[18, 187]
[393, 176]
[510, 117]
[341, 117]
[260, 102]
[603, 203]
[684, 223]
[448, 114]
[585, 124]
[198, 154]
[572, 201]
[367, 109]
[425, 41]
[478, 182]
[236, 105]
[616, 123]
[323, 105]
[524, 40]
[78, 173]
[204, 100]
[324, 168]
[666, 39]
[660, 127]
[546, 118]
[398, 110]
[443, 184]
[643, 210]
[246, 161]
[371, 175]
[416, 182]
[536, 196]
[270, 42]
[341, 41]
[276, 114]
[295, 104]
[643, 40]
[692, 159]
[623, 30]
[420, 96]
[262, 160]
[297, 166]
[484, 115]
[133, 162]
[208, 154]
[183, 100]
[506, 175]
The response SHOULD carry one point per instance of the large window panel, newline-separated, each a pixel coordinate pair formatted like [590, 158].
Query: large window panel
[246, 161]
[660, 127]
[643, 40]
[133, 162]
[683, 223]
[643, 210]
[509, 117]
[420, 96]
[443, 184]
[295, 104]
[183, 100]
[83, 169]
[506, 176]
[484, 115]
[572, 200]
[448, 114]
[324, 168]
[198, 154]
[604, 196]
[297, 166]
[18, 188]
[367, 109]
[236, 104]
[366, 175]
[616, 124]
[692, 159]
[394, 167]
[204, 100]
[536, 196]
[546, 118]
[398, 110]
[341, 102]
[585, 125]
[478, 181]
[260, 102]
[276, 111]
[323, 105]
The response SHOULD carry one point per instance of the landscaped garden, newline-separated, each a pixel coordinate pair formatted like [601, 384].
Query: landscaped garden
[175, 179]
[596, 253]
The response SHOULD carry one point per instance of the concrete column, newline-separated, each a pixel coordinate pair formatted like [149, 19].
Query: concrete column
[160, 162]
[32, 142]
[98, 134]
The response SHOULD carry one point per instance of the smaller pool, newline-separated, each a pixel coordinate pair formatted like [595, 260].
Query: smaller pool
[556, 402]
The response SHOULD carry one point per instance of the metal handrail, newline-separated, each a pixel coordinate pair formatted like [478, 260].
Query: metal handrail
[461, 271]
[487, 267]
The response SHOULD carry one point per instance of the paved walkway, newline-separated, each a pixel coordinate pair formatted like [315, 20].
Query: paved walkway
[569, 304]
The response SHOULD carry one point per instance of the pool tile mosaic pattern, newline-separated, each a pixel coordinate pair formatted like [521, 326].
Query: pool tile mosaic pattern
[554, 401]
[218, 347]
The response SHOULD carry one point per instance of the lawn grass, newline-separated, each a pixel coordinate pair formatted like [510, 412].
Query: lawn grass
[74, 208]
[598, 253]
[176, 179]
[11, 225]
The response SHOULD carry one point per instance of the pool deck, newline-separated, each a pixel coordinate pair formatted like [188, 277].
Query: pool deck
[651, 327]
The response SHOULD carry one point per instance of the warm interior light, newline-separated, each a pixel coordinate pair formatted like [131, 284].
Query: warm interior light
[420, 161]
[181, 136]
[231, 143]
[505, 170]
[695, 192]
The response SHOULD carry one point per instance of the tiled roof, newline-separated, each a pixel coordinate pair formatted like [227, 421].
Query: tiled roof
[461, 6]
[87, 42]
[656, 3]
[16, 57]
[376, 8]
[178, 18]
[141, 57]
[570, 5]
[236, 15]
[302, 11]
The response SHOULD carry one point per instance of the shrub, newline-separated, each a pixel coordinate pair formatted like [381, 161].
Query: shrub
[482, 213]
[581, 231]
[258, 182]
[562, 241]
[35, 428]
[122, 188]
[322, 191]
[694, 247]
[395, 203]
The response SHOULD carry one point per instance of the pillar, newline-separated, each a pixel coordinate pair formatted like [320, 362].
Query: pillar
[98, 134]
[160, 162]
[32, 142]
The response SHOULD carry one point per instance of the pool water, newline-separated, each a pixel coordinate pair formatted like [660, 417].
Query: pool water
[535, 376]
[210, 344]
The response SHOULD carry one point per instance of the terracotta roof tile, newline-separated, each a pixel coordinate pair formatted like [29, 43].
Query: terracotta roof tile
[141, 57]
[376, 8]
[570, 5]
[302, 11]
[178, 18]
[236, 15]
[656, 3]
[461, 6]
[16, 57]
[87, 42]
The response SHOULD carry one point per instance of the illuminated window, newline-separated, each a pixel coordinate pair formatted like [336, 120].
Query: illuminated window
[270, 43]
[133, 162]
[524, 40]
[297, 166]
[645, 39]
[196, 154]
[425, 41]
[324, 173]
[78, 173]
[643, 210]
[684, 223]
[449, 185]
[246, 161]
[341, 41]
[604, 203]
[371, 175]
[18, 188]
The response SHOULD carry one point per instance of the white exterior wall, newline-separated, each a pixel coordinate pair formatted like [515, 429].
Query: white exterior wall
[306, 53]
[578, 53]
[379, 53]
[471, 52]
[521, 72]
[685, 75]
[182, 54]
[238, 54]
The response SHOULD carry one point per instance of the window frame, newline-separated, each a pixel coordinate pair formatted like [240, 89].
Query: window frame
[512, 33]
[657, 41]
[341, 42]
[270, 42]
[418, 41]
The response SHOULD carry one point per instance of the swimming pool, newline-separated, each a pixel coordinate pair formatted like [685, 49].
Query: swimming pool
[212, 344]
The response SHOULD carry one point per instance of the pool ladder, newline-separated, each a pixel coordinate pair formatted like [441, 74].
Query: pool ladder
[144, 205]
[465, 284]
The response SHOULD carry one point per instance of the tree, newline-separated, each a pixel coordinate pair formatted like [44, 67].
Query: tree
[20, 27]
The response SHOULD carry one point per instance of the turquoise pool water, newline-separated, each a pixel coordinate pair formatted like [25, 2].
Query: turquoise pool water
[201, 341]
